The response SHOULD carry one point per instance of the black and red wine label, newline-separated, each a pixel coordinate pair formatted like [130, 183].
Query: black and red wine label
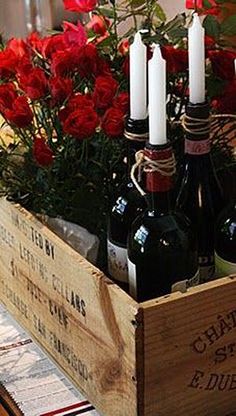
[207, 268]
[117, 262]
[197, 147]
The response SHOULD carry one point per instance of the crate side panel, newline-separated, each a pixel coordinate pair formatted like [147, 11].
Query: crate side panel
[83, 320]
[190, 352]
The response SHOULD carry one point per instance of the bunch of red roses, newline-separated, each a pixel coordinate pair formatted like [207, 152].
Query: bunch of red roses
[66, 96]
[60, 79]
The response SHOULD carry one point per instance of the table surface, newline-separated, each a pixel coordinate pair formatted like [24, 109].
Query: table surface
[35, 383]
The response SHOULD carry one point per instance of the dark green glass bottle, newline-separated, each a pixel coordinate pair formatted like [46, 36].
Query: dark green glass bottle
[200, 196]
[162, 250]
[128, 204]
[225, 244]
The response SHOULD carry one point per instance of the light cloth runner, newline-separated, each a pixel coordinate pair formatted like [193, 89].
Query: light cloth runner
[33, 380]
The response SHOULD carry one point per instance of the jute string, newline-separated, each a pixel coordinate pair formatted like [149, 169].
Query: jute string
[166, 167]
[200, 127]
[136, 137]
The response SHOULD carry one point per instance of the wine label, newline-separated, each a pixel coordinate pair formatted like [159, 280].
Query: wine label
[183, 285]
[132, 279]
[197, 147]
[207, 268]
[224, 267]
[117, 262]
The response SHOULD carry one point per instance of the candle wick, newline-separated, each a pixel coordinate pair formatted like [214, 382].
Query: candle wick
[195, 5]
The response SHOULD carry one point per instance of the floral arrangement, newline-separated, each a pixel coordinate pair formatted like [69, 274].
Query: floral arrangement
[65, 98]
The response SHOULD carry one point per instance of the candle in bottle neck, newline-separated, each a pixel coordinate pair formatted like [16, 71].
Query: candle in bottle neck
[138, 79]
[196, 51]
[157, 98]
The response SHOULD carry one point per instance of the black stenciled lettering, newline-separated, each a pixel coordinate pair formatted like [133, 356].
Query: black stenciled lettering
[196, 378]
[66, 352]
[39, 326]
[212, 383]
[58, 312]
[224, 327]
[233, 382]
[199, 345]
[72, 298]
[83, 311]
[211, 334]
[232, 317]
[224, 380]
[232, 349]
[220, 354]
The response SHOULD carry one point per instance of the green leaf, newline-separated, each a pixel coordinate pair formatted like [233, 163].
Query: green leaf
[137, 3]
[207, 4]
[212, 26]
[228, 26]
[159, 12]
[107, 12]
[228, 1]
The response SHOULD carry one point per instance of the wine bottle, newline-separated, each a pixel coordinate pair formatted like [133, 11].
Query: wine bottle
[225, 245]
[200, 195]
[162, 251]
[128, 204]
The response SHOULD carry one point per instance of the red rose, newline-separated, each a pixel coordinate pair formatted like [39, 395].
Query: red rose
[80, 6]
[20, 113]
[81, 124]
[24, 66]
[42, 153]
[19, 47]
[113, 122]
[74, 35]
[34, 41]
[98, 24]
[176, 59]
[223, 63]
[104, 91]
[52, 44]
[64, 62]
[77, 101]
[8, 95]
[8, 63]
[210, 42]
[122, 102]
[34, 84]
[87, 60]
[213, 8]
[123, 47]
[61, 89]
[190, 4]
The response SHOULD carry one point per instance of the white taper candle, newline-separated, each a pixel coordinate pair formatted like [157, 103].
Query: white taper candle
[157, 97]
[138, 79]
[196, 51]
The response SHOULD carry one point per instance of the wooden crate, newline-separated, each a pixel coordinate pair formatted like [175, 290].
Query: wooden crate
[174, 355]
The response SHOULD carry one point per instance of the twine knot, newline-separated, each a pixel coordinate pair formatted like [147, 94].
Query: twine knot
[166, 167]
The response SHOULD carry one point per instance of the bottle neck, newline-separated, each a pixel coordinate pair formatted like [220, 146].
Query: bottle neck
[133, 147]
[197, 137]
[136, 134]
[159, 178]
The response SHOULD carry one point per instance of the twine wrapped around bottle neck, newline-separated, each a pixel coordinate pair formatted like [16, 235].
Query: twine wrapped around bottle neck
[142, 137]
[166, 167]
[200, 127]
[196, 126]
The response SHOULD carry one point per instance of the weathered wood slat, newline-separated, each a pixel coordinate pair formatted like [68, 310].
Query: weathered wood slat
[190, 352]
[172, 355]
[82, 319]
